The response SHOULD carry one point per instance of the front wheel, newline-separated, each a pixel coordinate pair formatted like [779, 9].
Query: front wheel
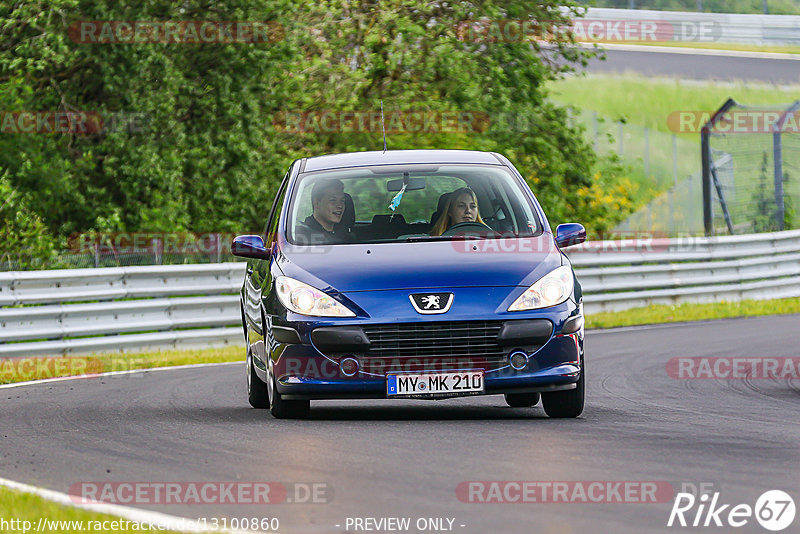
[569, 403]
[256, 389]
[281, 408]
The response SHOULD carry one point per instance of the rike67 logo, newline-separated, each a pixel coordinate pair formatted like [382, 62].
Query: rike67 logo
[774, 510]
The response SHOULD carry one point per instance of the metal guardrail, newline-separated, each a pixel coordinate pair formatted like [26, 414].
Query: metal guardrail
[696, 269]
[712, 27]
[133, 308]
[137, 308]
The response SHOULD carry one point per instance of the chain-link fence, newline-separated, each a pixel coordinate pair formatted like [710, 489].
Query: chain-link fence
[675, 212]
[751, 171]
[748, 179]
[658, 160]
[128, 249]
[662, 165]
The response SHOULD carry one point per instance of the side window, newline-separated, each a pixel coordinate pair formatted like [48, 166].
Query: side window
[277, 206]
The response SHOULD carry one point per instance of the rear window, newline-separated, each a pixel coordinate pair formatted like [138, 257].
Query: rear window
[408, 202]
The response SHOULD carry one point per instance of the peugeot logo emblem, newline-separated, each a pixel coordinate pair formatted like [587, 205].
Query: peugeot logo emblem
[429, 303]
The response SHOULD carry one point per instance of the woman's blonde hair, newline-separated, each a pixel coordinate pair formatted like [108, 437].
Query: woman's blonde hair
[443, 222]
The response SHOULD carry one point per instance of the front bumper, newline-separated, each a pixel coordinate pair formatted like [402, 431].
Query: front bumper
[554, 379]
[305, 371]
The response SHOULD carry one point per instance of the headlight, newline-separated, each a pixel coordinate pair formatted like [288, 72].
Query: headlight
[304, 299]
[553, 288]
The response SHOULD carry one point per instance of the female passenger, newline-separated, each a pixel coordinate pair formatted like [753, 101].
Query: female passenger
[461, 207]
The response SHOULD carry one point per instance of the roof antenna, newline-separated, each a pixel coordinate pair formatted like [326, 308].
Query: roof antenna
[383, 127]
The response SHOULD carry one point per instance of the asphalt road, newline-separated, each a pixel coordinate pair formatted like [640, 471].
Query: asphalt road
[699, 67]
[406, 458]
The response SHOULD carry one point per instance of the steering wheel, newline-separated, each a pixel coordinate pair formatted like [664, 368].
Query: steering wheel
[465, 227]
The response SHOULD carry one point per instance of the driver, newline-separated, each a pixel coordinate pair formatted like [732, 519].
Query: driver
[461, 207]
[328, 206]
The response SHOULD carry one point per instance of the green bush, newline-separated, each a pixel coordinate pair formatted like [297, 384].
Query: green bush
[25, 241]
[195, 146]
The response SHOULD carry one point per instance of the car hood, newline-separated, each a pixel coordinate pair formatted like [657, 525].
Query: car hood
[422, 265]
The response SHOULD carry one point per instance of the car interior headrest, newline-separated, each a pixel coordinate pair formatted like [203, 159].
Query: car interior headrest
[440, 207]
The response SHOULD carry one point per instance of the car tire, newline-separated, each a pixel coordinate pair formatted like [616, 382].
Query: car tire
[522, 400]
[281, 408]
[256, 389]
[563, 404]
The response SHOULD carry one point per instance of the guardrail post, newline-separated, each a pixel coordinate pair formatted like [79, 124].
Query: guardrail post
[705, 149]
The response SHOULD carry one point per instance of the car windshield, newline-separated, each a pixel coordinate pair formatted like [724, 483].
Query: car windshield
[409, 203]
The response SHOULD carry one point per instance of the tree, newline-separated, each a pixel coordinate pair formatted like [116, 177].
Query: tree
[188, 139]
[21, 230]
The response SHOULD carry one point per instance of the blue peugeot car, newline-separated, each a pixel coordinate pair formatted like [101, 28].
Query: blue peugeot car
[424, 274]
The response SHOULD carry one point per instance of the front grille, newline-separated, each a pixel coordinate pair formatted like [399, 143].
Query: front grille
[454, 339]
[433, 346]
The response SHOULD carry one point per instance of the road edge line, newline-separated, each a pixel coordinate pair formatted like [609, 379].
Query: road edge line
[170, 522]
[113, 373]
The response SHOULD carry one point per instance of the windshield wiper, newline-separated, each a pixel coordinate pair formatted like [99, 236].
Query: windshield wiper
[457, 237]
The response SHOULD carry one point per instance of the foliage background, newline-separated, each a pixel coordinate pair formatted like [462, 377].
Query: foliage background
[205, 155]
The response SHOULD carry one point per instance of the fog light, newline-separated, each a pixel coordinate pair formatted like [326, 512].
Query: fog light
[349, 366]
[518, 359]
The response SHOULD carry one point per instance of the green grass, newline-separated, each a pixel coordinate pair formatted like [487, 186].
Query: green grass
[649, 101]
[601, 101]
[20, 506]
[658, 313]
[653, 174]
[20, 369]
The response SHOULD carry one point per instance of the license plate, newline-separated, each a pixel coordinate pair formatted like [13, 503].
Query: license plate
[434, 384]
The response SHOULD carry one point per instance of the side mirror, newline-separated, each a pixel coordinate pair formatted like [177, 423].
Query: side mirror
[570, 234]
[249, 246]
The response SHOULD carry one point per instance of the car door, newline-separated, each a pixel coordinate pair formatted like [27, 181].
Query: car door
[258, 279]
